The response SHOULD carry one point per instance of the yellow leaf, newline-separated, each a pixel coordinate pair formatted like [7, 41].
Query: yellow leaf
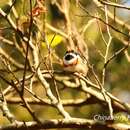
[53, 40]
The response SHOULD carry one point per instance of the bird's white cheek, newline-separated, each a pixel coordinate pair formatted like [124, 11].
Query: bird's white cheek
[68, 62]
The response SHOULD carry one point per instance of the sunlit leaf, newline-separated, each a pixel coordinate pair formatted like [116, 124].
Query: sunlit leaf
[53, 40]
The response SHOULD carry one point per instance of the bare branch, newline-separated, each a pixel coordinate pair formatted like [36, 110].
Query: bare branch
[65, 123]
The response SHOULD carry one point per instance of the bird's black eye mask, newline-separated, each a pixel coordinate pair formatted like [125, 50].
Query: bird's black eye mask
[69, 57]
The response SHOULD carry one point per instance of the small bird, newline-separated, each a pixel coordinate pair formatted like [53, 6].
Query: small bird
[73, 62]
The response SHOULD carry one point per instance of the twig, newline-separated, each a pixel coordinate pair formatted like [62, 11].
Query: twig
[56, 30]
[9, 58]
[89, 23]
[114, 4]
[127, 55]
[101, 32]
[3, 39]
[117, 53]
[98, 18]
[116, 19]
[27, 48]
[4, 108]
[105, 60]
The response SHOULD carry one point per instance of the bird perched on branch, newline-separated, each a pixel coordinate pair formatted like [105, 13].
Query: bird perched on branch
[73, 62]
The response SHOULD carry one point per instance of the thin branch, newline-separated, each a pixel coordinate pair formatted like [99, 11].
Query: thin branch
[56, 30]
[114, 4]
[3, 39]
[47, 102]
[105, 60]
[27, 48]
[117, 53]
[9, 58]
[98, 18]
[100, 30]
[89, 23]
[4, 108]
[116, 19]
[127, 55]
